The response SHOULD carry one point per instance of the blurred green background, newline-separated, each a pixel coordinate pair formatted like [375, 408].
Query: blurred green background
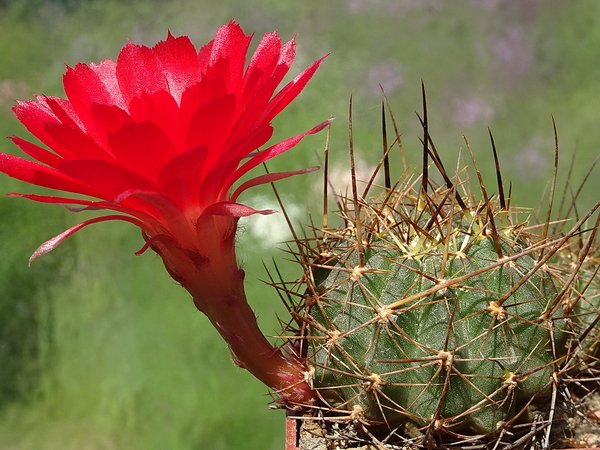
[100, 349]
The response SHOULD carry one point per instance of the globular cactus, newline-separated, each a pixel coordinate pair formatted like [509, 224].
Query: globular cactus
[436, 309]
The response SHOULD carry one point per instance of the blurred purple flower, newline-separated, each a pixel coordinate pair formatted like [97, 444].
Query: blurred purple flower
[469, 110]
[386, 75]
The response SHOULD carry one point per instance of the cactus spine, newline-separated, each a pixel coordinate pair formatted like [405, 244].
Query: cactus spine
[436, 310]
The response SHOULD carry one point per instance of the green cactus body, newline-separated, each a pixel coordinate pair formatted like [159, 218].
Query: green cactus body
[441, 322]
[439, 315]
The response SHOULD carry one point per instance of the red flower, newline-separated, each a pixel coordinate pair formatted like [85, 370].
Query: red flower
[161, 134]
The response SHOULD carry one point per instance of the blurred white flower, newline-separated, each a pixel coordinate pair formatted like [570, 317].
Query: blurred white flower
[272, 229]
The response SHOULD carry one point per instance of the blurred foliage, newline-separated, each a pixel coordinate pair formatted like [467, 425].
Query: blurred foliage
[22, 292]
[100, 349]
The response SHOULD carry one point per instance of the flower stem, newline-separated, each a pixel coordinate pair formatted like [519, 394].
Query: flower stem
[216, 284]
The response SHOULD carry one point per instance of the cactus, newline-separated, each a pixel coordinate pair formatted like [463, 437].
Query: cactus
[434, 309]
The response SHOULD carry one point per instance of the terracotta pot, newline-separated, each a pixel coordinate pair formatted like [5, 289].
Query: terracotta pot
[303, 432]
[291, 432]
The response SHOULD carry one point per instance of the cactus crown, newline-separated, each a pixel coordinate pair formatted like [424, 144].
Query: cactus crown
[437, 311]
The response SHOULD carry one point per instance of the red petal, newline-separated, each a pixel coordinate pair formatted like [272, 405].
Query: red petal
[274, 151]
[261, 65]
[199, 94]
[90, 205]
[290, 91]
[255, 98]
[107, 73]
[204, 55]
[171, 217]
[40, 175]
[256, 138]
[179, 61]
[181, 178]
[217, 182]
[64, 139]
[73, 143]
[139, 71]
[252, 112]
[142, 148]
[37, 152]
[106, 119]
[64, 112]
[35, 115]
[211, 124]
[113, 179]
[89, 85]
[269, 178]
[233, 210]
[230, 43]
[57, 240]
[161, 109]
[213, 188]
[85, 85]
[59, 200]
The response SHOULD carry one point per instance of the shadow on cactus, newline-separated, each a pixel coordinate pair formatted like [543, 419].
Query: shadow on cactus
[438, 308]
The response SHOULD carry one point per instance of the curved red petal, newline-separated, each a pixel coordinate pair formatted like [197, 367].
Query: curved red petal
[269, 178]
[258, 93]
[290, 91]
[76, 143]
[59, 200]
[214, 187]
[179, 61]
[180, 179]
[233, 210]
[262, 64]
[254, 139]
[142, 148]
[40, 175]
[37, 152]
[91, 205]
[139, 71]
[161, 109]
[65, 138]
[217, 180]
[112, 178]
[251, 113]
[171, 217]
[200, 94]
[210, 126]
[86, 86]
[275, 150]
[51, 244]
[35, 115]
[231, 44]
[64, 112]
[107, 119]
[107, 74]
